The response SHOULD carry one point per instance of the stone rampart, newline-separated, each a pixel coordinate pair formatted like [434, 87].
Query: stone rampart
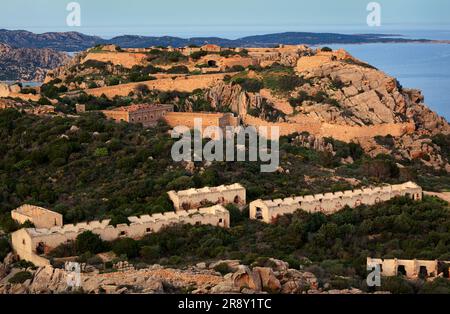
[339, 132]
[30, 243]
[180, 83]
[329, 203]
[194, 198]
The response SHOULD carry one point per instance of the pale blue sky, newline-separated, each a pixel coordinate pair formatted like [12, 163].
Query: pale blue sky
[226, 18]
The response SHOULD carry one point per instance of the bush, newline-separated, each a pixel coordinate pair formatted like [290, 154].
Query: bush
[249, 84]
[101, 152]
[198, 54]
[223, 268]
[126, 246]
[150, 253]
[179, 69]
[89, 242]
[437, 286]
[5, 248]
[283, 83]
[20, 277]
[396, 285]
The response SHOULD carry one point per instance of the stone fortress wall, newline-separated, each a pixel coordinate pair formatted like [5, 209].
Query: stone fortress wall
[182, 83]
[30, 243]
[218, 119]
[339, 132]
[125, 59]
[329, 203]
[410, 268]
[148, 115]
[224, 194]
[40, 217]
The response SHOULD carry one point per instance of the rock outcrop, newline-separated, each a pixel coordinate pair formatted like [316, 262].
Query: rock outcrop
[28, 64]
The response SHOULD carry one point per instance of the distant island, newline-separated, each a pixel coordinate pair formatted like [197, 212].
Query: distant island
[74, 41]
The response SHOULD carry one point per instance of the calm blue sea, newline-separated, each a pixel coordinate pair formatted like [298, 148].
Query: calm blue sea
[421, 66]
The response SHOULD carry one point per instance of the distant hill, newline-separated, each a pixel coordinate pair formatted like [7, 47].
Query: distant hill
[73, 41]
[28, 64]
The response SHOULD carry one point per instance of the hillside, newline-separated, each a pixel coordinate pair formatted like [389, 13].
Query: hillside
[323, 92]
[73, 41]
[28, 64]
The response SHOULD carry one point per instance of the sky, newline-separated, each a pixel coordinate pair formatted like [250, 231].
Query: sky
[224, 18]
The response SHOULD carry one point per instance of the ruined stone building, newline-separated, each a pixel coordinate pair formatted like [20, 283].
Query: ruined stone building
[410, 268]
[40, 217]
[148, 115]
[194, 198]
[32, 243]
[328, 203]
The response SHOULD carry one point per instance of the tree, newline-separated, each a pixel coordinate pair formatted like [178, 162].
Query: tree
[150, 253]
[126, 246]
[89, 242]
[4, 248]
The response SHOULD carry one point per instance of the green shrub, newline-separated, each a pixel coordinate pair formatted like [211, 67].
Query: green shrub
[5, 248]
[249, 84]
[150, 253]
[223, 268]
[89, 242]
[20, 277]
[126, 246]
[396, 285]
[179, 69]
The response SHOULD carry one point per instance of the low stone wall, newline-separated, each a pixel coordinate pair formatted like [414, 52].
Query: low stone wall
[329, 203]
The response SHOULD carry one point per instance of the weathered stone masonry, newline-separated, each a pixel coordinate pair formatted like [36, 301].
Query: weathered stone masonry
[40, 217]
[194, 198]
[30, 243]
[329, 203]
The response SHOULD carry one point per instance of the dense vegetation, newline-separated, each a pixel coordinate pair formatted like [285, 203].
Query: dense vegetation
[90, 168]
[333, 247]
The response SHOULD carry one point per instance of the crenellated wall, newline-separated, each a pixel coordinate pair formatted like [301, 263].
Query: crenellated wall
[30, 243]
[329, 203]
[194, 198]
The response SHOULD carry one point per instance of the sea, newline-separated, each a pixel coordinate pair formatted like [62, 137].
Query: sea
[421, 66]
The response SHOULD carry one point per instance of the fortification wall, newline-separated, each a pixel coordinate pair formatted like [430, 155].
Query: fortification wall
[40, 217]
[409, 268]
[180, 83]
[194, 198]
[125, 59]
[330, 203]
[222, 120]
[339, 132]
[27, 242]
